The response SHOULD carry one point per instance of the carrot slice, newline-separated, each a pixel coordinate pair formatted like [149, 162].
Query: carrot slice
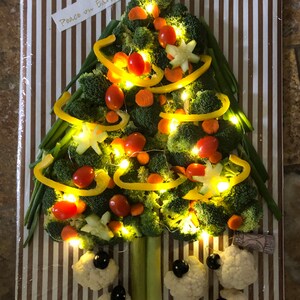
[164, 126]
[68, 233]
[112, 117]
[113, 77]
[111, 184]
[210, 126]
[114, 226]
[159, 23]
[173, 75]
[137, 13]
[155, 11]
[81, 206]
[137, 209]
[143, 157]
[180, 111]
[215, 157]
[235, 222]
[155, 178]
[120, 59]
[144, 98]
[162, 99]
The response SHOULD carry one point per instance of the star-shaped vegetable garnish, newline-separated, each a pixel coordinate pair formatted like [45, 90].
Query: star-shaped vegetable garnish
[89, 138]
[210, 179]
[183, 54]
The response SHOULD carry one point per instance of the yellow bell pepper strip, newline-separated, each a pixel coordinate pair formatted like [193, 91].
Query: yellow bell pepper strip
[200, 117]
[184, 81]
[72, 120]
[141, 186]
[135, 80]
[101, 178]
[194, 195]
[244, 174]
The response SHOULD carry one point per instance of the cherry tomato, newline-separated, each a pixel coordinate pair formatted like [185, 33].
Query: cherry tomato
[134, 143]
[119, 205]
[63, 210]
[207, 146]
[84, 176]
[68, 233]
[136, 64]
[167, 35]
[194, 169]
[114, 97]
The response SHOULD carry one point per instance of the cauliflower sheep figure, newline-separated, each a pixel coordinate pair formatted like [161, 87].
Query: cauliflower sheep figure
[117, 293]
[233, 294]
[237, 268]
[92, 274]
[188, 280]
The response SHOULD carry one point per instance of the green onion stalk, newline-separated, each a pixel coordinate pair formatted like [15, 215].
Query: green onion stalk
[56, 142]
[228, 85]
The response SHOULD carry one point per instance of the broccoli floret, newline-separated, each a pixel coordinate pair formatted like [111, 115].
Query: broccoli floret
[212, 218]
[132, 225]
[86, 110]
[150, 223]
[178, 10]
[63, 170]
[94, 86]
[184, 188]
[160, 58]
[88, 158]
[174, 210]
[205, 102]
[133, 24]
[99, 204]
[251, 217]
[142, 38]
[158, 142]
[184, 138]
[164, 4]
[239, 197]
[195, 31]
[182, 158]
[228, 136]
[147, 118]
[54, 229]
[187, 236]
[206, 81]
[159, 164]
[50, 196]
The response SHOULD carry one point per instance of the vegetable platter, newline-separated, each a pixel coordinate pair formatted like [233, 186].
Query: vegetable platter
[164, 152]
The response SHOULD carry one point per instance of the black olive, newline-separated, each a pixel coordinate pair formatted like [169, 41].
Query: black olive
[118, 293]
[212, 261]
[101, 260]
[180, 267]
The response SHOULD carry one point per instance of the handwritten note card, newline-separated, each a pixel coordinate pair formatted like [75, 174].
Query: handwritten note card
[79, 11]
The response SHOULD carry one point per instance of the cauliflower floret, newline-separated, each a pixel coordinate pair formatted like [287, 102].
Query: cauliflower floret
[233, 294]
[192, 285]
[237, 269]
[87, 275]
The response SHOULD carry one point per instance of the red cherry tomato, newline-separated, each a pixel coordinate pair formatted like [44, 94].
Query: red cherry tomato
[119, 205]
[63, 210]
[134, 143]
[207, 146]
[194, 170]
[84, 176]
[167, 35]
[68, 233]
[114, 97]
[136, 64]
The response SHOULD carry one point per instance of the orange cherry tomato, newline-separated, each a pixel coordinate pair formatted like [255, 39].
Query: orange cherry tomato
[68, 233]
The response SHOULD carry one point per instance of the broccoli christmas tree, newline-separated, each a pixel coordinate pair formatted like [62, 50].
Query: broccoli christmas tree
[153, 140]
